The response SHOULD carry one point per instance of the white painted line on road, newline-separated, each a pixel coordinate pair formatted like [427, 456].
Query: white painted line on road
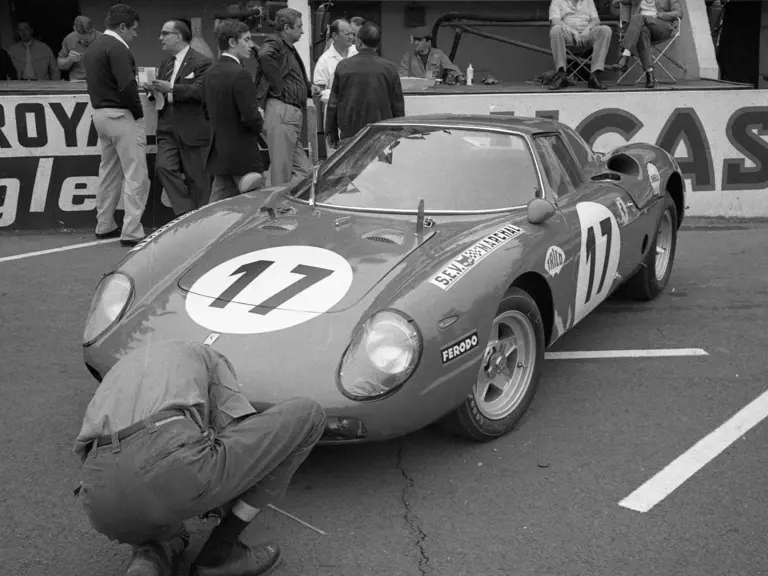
[696, 457]
[590, 354]
[54, 250]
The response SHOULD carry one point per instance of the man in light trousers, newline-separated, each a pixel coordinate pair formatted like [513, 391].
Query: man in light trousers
[118, 117]
[576, 23]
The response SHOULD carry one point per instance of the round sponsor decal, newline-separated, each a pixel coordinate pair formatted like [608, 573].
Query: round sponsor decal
[269, 290]
[654, 177]
[554, 260]
[598, 257]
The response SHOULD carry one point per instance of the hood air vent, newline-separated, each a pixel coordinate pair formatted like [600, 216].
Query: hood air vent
[279, 226]
[386, 236]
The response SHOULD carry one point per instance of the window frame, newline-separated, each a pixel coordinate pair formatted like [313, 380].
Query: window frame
[575, 164]
[331, 162]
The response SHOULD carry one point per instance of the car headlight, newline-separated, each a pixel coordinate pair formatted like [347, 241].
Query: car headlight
[112, 298]
[381, 357]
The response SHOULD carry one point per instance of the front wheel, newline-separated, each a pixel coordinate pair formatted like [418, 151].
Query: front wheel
[509, 373]
[656, 268]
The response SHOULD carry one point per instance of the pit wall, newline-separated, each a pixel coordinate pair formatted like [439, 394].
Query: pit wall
[49, 154]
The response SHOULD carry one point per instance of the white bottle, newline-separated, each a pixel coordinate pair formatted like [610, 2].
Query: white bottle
[470, 75]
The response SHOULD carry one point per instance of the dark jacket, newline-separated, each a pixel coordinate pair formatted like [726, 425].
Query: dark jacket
[188, 119]
[111, 71]
[7, 69]
[282, 74]
[366, 89]
[231, 106]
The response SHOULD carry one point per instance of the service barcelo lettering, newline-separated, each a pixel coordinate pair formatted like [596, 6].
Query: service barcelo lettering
[472, 255]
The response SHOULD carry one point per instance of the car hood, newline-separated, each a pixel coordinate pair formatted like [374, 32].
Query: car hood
[300, 259]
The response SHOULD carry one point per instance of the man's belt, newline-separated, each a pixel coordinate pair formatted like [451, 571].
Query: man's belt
[174, 413]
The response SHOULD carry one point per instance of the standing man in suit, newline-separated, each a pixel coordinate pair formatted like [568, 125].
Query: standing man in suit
[283, 93]
[231, 105]
[183, 133]
[366, 88]
[119, 120]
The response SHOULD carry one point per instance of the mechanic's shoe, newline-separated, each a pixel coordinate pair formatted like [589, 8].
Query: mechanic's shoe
[594, 81]
[114, 234]
[559, 81]
[243, 561]
[650, 79]
[249, 182]
[130, 242]
[623, 64]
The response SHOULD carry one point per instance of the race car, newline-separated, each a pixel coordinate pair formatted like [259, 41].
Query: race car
[416, 276]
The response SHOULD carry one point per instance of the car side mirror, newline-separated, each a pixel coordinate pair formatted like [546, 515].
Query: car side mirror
[540, 210]
[606, 176]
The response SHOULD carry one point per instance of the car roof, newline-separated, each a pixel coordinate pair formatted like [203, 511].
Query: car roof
[521, 124]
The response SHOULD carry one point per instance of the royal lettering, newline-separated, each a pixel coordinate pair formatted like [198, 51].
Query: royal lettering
[35, 135]
[69, 123]
[4, 143]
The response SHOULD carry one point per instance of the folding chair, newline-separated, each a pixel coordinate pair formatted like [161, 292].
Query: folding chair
[578, 60]
[658, 50]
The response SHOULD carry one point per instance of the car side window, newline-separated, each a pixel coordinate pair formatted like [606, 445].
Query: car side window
[584, 155]
[553, 170]
[566, 159]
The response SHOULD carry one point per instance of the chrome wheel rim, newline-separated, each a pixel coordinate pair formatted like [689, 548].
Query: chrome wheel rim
[508, 366]
[663, 246]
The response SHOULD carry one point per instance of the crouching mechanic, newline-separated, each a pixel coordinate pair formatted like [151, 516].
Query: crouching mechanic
[169, 436]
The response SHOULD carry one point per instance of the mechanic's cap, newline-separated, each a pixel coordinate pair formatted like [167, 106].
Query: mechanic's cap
[421, 32]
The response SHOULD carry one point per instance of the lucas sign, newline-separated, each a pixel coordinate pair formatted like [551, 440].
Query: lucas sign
[716, 136]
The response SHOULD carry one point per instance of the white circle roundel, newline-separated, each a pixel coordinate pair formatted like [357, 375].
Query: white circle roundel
[269, 290]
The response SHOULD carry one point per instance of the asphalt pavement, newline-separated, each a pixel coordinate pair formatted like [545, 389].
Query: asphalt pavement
[542, 501]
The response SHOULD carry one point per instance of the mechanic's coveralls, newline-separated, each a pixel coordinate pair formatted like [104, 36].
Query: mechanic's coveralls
[169, 436]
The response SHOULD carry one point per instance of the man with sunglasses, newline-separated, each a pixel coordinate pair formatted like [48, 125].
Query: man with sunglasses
[426, 61]
[183, 133]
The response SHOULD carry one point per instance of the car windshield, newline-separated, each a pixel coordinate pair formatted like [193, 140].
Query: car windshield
[393, 167]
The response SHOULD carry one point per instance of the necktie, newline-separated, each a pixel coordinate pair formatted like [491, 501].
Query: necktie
[171, 68]
[169, 78]
[29, 70]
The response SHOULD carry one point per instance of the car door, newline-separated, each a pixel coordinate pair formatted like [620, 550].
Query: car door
[597, 215]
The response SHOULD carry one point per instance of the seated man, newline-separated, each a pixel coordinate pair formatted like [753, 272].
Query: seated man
[576, 23]
[428, 62]
[650, 21]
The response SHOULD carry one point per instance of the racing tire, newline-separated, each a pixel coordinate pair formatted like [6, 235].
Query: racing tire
[491, 411]
[654, 273]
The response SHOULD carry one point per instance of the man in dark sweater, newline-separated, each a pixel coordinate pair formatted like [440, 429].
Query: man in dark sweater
[119, 120]
[366, 88]
[283, 93]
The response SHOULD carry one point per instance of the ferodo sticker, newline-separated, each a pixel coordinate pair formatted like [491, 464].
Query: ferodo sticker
[460, 347]
[654, 177]
[554, 260]
[269, 290]
[455, 269]
[598, 257]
